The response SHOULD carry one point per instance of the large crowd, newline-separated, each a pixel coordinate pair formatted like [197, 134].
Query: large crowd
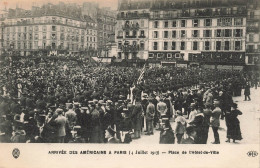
[70, 101]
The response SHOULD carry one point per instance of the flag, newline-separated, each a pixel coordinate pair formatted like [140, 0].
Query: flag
[141, 75]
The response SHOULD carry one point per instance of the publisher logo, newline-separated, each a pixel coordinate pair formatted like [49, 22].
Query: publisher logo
[252, 153]
[16, 153]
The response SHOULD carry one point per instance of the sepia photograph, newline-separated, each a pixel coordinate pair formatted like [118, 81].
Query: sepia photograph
[130, 77]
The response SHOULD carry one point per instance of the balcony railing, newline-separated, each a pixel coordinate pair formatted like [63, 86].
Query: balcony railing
[129, 48]
[134, 36]
[133, 16]
[142, 36]
[119, 37]
[252, 29]
[130, 27]
[253, 50]
[198, 13]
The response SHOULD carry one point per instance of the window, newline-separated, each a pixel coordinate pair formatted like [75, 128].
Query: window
[44, 36]
[165, 45]
[237, 45]
[174, 23]
[196, 23]
[166, 24]
[227, 45]
[119, 55]
[238, 21]
[183, 33]
[219, 22]
[142, 33]
[195, 33]
[195, 45]
[36, 28]
[174, 34]
[226, 22]
[155, 34]
[182, 45]
[207, 45]
[141, 45]
[207, 22]
[207, 33]
[218, 45]
[251, 37]
[53, 28]
[238, 32]
[53, 36]
[155, 24]
[183, 23]
[151, 56]
[218, 33]
[228, 32]
[119, 45]
[127, 33]
[155, 45]
[165, 34]
[36, 36]
[173, 45]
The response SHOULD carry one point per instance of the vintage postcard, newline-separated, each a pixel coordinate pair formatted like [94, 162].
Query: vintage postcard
[129, 83]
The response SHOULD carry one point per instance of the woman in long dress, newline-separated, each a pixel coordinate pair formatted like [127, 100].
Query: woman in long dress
[233, 124]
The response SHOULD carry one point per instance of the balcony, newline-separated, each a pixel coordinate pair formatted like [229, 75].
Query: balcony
[129, 48]
[142, 36]
[131, 26]
[253, 50]
[252, 29]
[119, 37]
[133, 16]
[134, 36]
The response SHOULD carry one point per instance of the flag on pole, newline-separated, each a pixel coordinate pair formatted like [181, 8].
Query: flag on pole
[141, 75]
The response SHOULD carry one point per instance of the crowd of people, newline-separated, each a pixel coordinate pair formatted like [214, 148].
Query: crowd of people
[56, 101]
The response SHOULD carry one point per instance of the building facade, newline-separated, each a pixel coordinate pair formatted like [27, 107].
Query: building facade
[50, 29]
[206, 32]
[106, 21]
[253, 34]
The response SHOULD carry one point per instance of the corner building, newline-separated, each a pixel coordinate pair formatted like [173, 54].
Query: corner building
[209, 32]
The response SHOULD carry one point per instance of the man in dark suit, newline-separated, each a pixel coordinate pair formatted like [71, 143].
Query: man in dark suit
[191, 133]
[110, 135]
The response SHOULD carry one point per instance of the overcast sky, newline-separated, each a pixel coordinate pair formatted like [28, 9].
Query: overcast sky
[28, 3]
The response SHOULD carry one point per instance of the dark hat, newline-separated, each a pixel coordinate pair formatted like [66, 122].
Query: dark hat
[189, 130]
[111, 131]
[42, 118]
[234, 105]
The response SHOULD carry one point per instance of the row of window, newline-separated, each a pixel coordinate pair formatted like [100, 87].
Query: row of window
[196, 33]
[226, 45]
[197, 23]
[53, 28]
[53, 36]
[35, 45]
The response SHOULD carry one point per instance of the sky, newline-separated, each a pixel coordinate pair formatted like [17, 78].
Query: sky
[26, 4]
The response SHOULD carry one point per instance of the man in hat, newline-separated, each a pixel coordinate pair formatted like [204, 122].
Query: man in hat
[193, 112]
[162, 108]
[191, 133]
[180, 126]
[166, 134]
[215, 121]
[71, 117]
[137, 118]
[61, 126]
[206, 123]
[110, 135]
[150, 112]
